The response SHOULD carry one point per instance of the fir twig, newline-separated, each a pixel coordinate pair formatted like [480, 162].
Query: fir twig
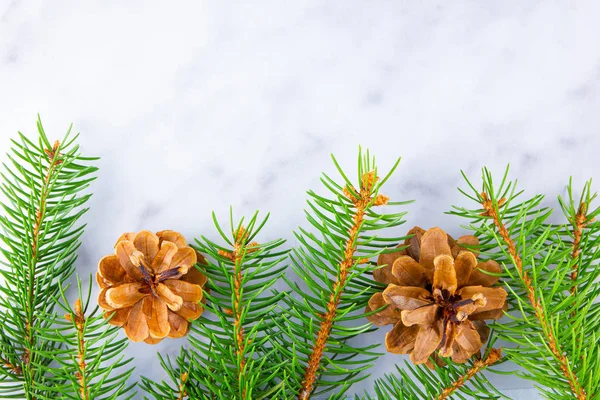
[91, 364]
[44, 355]
[236, 255]
[40, 236]
[418, 382]
[361, 200]
[231, 357]
[491, 210]
[493, 357]
[78, 319]
[554, 328]
[334, 264]
[580, 221]
[54, 160]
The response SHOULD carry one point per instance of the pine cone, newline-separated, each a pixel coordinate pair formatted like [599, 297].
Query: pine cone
[437, 297]
[150, 286]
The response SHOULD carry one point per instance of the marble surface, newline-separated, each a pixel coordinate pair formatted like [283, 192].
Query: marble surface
[195, 106]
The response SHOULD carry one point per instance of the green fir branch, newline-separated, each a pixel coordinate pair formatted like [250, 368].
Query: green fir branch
[554, 329]
[334, 267]
[43, 185]
[230, 355]
[416, 382]
[90, 364]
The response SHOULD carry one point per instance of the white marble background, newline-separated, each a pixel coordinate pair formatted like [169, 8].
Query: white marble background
[194, 106]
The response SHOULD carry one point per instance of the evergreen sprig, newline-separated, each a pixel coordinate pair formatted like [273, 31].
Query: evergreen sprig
[43, 186]
[416, 382]
[90, 364]
[230, 355]
[552, 281]
[333, 262]
[44, 190]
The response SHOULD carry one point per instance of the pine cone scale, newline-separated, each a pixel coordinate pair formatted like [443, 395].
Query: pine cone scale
[191, 311]
[173, 237]
[464, 264]
[388, 315]
[468, 337]
[118, 317]
[409, 272]
[124, 250]
[187, 291]
[406, 297]
[433, 243]
[125, 295]
[491, 314]
[495, 298]
[401, 339]
[414, 243]
[136, 327]
[446, 347]
[425, 315]
[110, 269]
[178, 324]
[444, 276]
[185, 258]
[479, 278]
[194, 276]
[165, 255]
[147, 243]
[173, 301]
[157, 316]
[427, 341]
[466, 243]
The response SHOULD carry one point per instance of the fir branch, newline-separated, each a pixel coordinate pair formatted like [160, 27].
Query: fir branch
[491, 210]
[236, 255]
[54, 160]
[231, 357]
[555, 328]
[335, 266]
[361, 201]
[493, 357]
[417, 382]
[177, 390]
[42, 187]
[579, 220]
[78, 318]
[579, 224]
[90, 364]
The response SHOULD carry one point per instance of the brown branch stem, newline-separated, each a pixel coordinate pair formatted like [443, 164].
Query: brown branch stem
[580, 219]
[478, 366]
[80, 326]
[576, 388]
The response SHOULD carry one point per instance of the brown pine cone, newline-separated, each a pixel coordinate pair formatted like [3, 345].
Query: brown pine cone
[150, 286]
[437, 297]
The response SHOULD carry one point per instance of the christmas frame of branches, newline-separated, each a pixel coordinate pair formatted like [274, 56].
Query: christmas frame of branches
[266, 322]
